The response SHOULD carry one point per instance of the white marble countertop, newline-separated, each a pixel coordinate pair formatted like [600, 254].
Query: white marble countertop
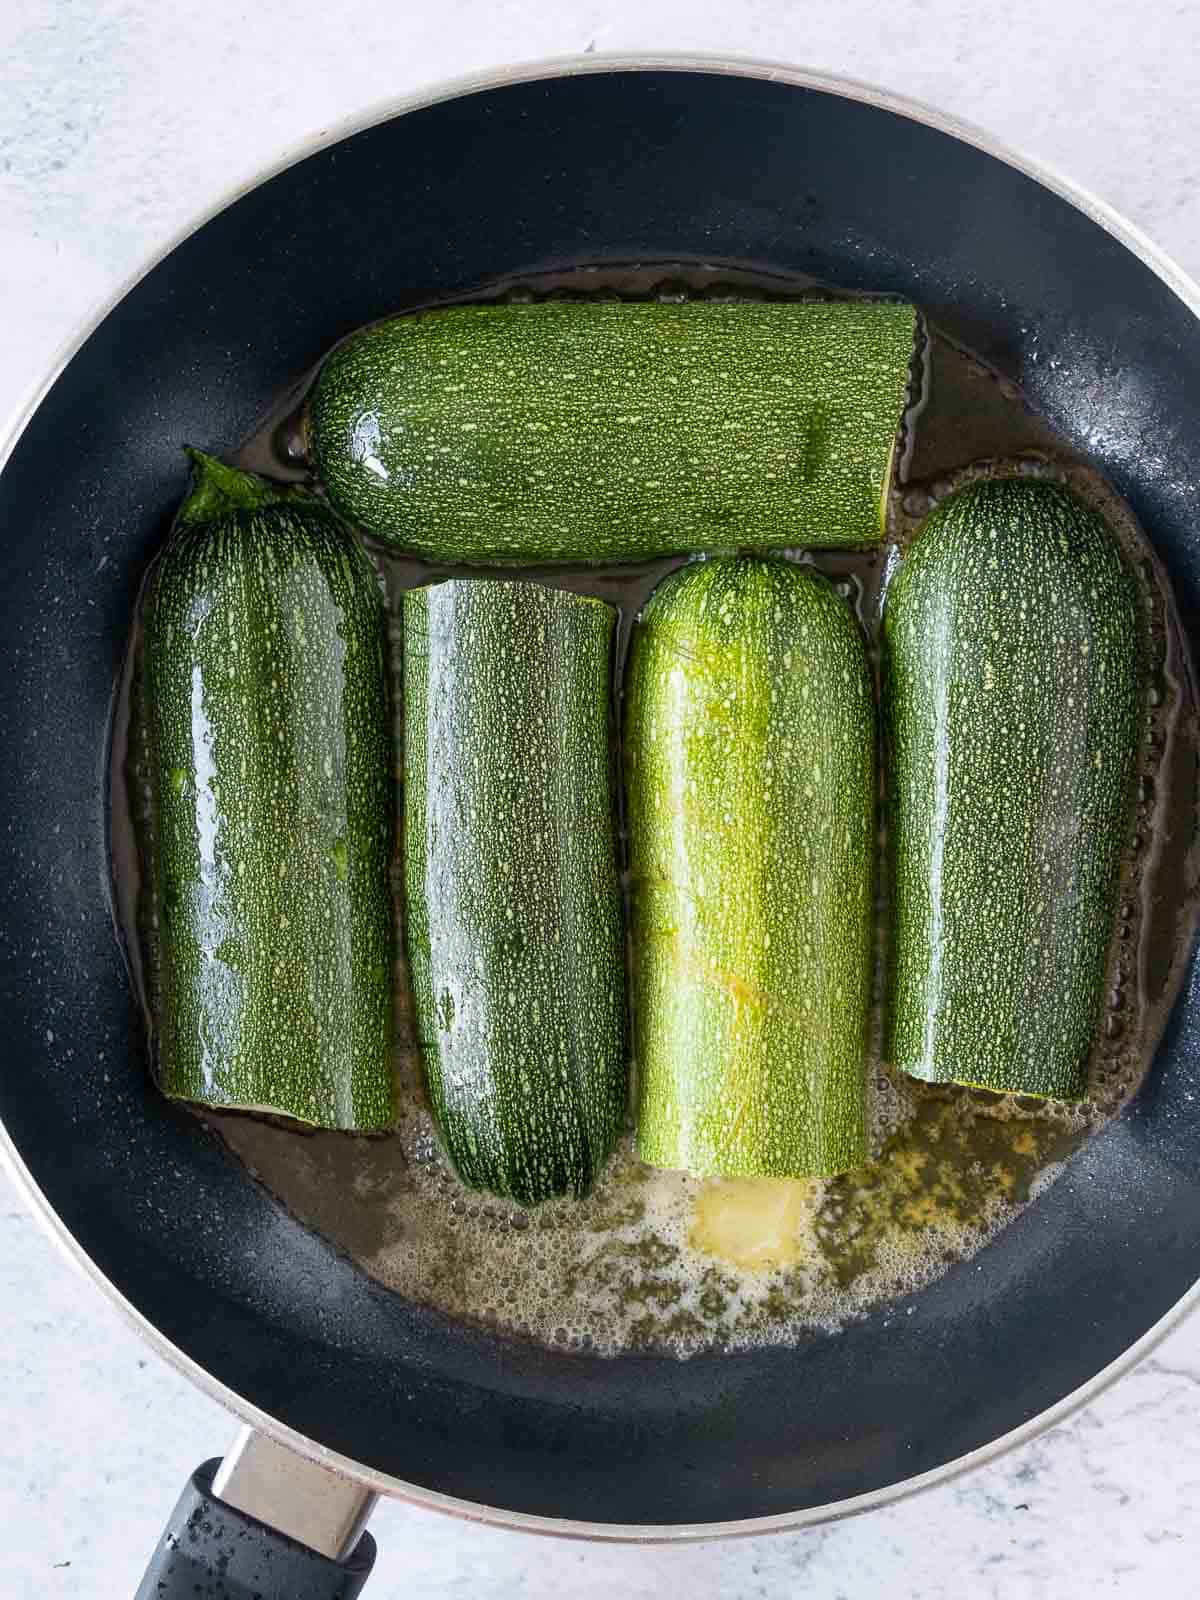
[119, 121]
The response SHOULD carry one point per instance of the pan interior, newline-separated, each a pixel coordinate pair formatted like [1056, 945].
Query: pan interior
[645, 1262]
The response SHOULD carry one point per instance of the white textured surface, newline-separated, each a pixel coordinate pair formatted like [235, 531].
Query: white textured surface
[120, 120]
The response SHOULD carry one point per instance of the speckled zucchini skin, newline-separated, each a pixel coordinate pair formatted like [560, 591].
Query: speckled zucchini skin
[1014, 693]
[513, 910]
[599, 431]
[267, 700]
[750, 769]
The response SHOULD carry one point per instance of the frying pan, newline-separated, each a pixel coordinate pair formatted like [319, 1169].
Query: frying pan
[349, 1388]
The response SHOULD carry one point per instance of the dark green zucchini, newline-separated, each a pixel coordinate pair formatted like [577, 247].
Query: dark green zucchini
[267, 701]
[599, 431]
[750, 767]
[513, 908]
[1014, 694]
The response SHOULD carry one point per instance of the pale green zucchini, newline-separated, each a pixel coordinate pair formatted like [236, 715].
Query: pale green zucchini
[750, 769]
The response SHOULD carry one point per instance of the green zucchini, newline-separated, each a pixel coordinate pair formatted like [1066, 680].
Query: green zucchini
[267, 700]
[1014, 693]
[513, 922]
[605, 432]
[750, 771]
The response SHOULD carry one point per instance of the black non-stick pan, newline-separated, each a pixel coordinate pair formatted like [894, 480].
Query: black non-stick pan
[600, 162]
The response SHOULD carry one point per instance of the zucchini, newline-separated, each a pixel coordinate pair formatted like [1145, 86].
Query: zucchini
[1014, 687]
[750, 770]
[267, 704]
[600, 431]
[513, 924]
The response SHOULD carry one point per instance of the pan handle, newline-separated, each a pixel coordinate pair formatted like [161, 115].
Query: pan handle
[264, 1522]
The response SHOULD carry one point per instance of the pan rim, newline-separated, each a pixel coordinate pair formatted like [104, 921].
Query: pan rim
[1128, 234]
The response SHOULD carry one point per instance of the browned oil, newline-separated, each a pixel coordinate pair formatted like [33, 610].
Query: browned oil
[950, 1167]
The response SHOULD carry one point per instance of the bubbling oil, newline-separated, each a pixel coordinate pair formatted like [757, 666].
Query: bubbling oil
[657, 1259]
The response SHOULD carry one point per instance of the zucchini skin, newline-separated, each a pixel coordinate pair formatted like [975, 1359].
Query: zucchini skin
[607, 432]
[1014, 688]
[750, 773]
[267, 698]
[513, 908]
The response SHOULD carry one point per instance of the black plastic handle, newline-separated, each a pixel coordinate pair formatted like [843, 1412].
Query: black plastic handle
[213, 1551]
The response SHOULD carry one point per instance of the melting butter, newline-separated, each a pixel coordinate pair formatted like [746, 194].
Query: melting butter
[755, 1224]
